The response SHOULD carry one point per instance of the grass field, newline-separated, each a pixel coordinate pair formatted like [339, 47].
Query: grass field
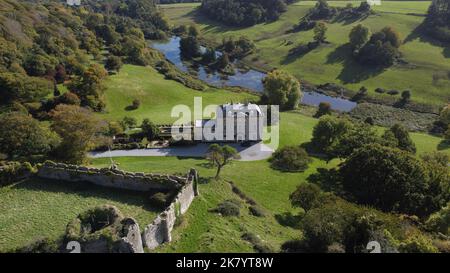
[157, 95]
[203, 231]
[39, 208]
[333, 62]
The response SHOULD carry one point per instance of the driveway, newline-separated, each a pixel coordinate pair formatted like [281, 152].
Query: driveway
[258, 151]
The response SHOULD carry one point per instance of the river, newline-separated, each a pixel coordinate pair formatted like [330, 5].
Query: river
[243, 77]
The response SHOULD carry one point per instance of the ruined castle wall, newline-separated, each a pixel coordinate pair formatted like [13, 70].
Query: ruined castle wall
[159, 231]
[111, 178]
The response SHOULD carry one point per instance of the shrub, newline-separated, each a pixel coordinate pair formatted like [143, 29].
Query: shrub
[40, 245]
[159, 200]
[228, 208]
[324, 109]
[11, 172]
[257, 211]
[393, 92]
[291, 159]
[306, 196]
[440, 221]
[256, 242]
[136, 103]
[380, 90]
[417, 244]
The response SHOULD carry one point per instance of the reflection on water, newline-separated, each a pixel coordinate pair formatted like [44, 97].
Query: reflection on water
[247, 78]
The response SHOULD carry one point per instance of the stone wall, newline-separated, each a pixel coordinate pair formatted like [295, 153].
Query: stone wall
[159, 231]
[111, 178]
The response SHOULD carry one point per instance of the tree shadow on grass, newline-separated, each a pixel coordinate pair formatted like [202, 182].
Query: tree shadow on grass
[352, 71]
[347, 19]
[87, 190]
[419, 33]
[287, 219]
[443, 145]
[446, 52]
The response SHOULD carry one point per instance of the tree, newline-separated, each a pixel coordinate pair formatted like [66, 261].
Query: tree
[78, 128]
[23, 136]
[320, 31]
[306, 196]
[223, 61]
[283, 89]
[355, 137]
[290, 159]
[193, 31]
[128, 123]
[444, 116]
[324, 109]
[403, 139]
[391, 35]
[328, 131]
[359, 36]
[19, 87]
[209, 56]
[135, 104]
[90, 87]
[69, 98]
[149, 129]
[221, 156]
[60, 74]
[386, 178]
[114, 128]
[406, 95]
[190, 47]
[113, 63]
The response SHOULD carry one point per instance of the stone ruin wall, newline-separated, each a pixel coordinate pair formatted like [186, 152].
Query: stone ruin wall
[111, 178]
[159, 231]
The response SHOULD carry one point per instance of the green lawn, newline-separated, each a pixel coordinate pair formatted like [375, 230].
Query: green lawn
[206, 231]
[333, 62]
[157, 95]
[39, 208]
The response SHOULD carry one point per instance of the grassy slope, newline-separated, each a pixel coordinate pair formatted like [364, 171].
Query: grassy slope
[156, 94]
[206, 232]
[332, 63]
[40, 208]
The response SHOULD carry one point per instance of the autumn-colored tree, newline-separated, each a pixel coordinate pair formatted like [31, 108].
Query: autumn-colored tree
[21, 135]
[90, 87]
[78, 128]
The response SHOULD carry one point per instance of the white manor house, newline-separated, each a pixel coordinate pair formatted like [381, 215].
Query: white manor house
[233, 123]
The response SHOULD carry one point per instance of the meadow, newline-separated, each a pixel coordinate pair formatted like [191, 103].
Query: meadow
[27, 205]
[423, 72]
[157, 95]
[40, 208]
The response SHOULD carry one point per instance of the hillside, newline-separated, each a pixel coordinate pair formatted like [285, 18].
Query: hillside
[424, 71]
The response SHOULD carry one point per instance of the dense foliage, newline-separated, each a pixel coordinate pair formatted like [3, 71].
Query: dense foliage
[243, 12]
[438, 20]
[23, 136]
[394, 180]
[380, 50]
[283, 89]
[290, 159]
